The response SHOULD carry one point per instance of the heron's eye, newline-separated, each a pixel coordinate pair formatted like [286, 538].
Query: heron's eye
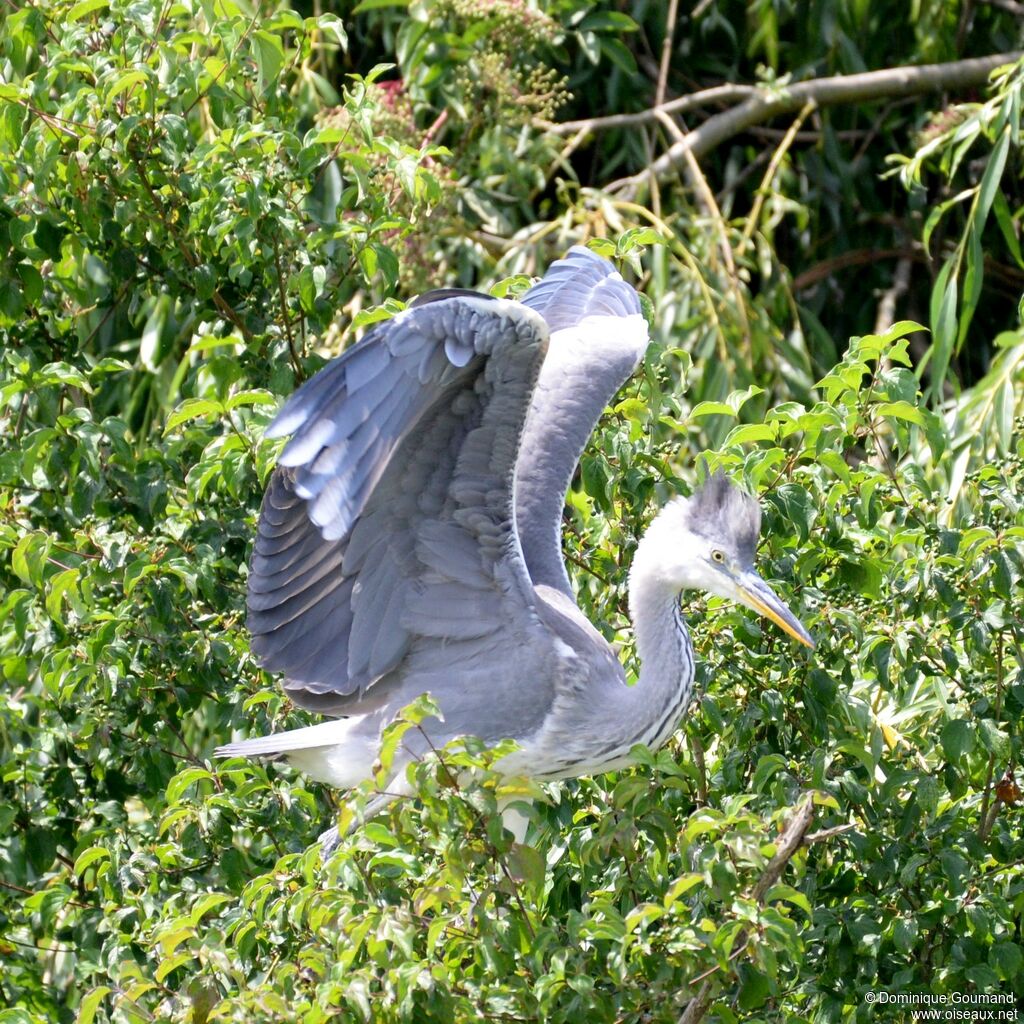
[717, 556]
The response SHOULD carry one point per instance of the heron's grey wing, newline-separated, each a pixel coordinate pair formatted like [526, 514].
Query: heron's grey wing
[598, 337]
[387, 529]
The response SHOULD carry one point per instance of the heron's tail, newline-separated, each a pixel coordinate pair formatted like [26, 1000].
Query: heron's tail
[340, 752]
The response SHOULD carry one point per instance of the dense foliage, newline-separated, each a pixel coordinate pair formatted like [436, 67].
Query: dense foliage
[200, 201]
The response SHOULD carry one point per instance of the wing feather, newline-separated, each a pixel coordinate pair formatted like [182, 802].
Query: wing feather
[598, 337]
[388, 524]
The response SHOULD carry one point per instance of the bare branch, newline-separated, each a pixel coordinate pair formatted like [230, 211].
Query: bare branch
[680, 105]
[793, 836]
[791, 839]
[837, 89]
[853, 258]
[827, 833]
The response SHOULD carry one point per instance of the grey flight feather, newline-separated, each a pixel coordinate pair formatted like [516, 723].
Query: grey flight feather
[598, 337]
[387, 526]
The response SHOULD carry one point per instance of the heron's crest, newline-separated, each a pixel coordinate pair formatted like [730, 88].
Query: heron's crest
[719, 510]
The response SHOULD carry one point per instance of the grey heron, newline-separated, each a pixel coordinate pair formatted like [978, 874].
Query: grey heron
[410, 541]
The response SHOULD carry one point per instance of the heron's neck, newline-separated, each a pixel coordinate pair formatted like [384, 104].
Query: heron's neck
[662, 643]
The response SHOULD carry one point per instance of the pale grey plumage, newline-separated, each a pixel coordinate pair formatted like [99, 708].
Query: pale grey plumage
[409, 540]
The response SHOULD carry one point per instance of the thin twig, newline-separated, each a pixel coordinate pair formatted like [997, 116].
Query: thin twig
[296, 365]
[666, 52]
[828, 833]
[706, 199]
[32, 892]
[482, 827]
[986, 821]
[697, 750]
[769, 176]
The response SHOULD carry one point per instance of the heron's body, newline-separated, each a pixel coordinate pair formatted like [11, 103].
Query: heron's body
[410, 540]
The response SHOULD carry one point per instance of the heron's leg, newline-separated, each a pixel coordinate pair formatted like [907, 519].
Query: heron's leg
[330, 839]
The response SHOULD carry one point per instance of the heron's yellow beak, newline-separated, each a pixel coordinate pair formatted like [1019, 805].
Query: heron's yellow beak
[752, 591]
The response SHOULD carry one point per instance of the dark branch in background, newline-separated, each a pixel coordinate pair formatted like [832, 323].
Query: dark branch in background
[1007, 5]
[886, 313]
[1010, 277]
[762, 104]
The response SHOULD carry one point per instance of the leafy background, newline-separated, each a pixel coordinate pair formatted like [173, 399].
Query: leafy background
[202, 200]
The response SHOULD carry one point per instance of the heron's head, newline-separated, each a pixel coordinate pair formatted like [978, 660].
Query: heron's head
[708, 542]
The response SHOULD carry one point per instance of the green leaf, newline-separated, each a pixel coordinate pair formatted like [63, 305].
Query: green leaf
[376, 5]
[901, 411]
[525, 864]
[619, 54]
[31, 283]
[1008, 960]
[152, 347]
[88, 857]
[247, 398]
[181, 782]
[680, 887]
[193, 409]
[780, 891]
[29, 558]
[269, 56]
[91, 1000]
[994, 739]
[608, 21]
[752, 432]
[957, 739]
[990, 180]
[711, 409]
[82, 10]
[945, 327]
[172, 964]
[331, 24]
[123, 82]
[905, 935]
[205, 904]
[1007, 226]
[755, 987]
[63, 585]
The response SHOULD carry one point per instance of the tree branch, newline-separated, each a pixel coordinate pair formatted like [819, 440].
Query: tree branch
[1007, 5]
[838, 89]
[790, 840]
[679, 105]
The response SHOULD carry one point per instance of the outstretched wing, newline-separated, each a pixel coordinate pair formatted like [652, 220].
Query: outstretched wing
[598, 337]
[387, 530]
